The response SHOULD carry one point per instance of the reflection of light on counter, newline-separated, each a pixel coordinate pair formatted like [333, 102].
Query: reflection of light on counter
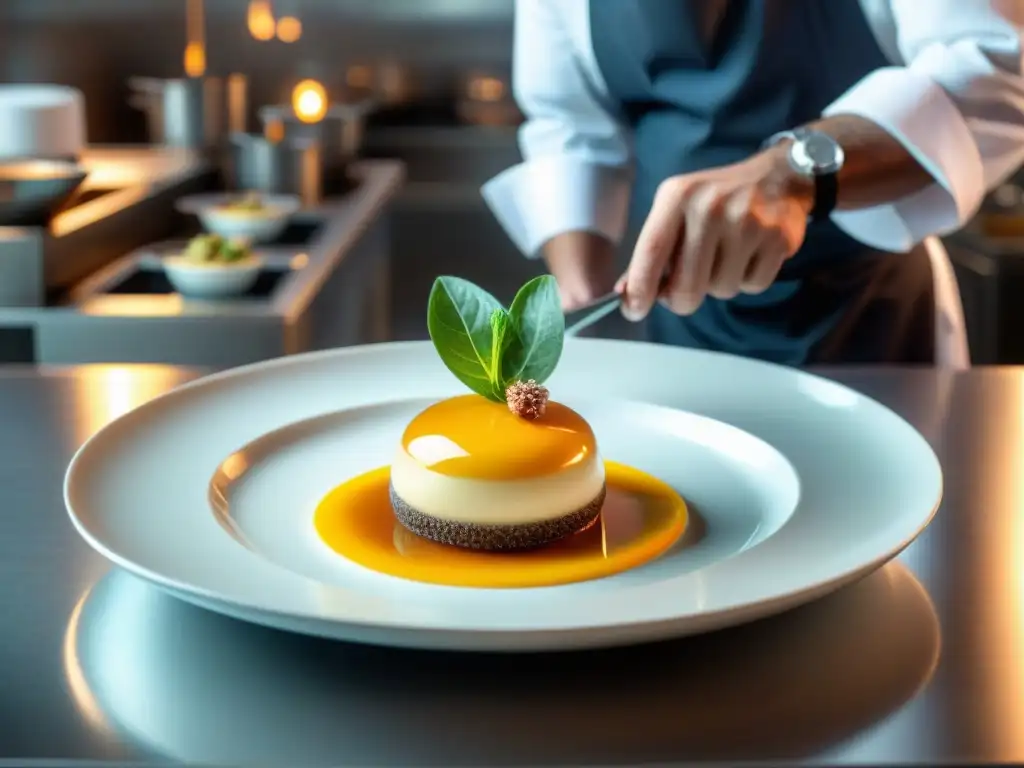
[486, 89]
[299, 260]
[106, 392]
[309, 100]
[289, 29]
[260, 20]
[359, 76]
[81, 694]
[109, 393]
[80, 216]
[169, 305]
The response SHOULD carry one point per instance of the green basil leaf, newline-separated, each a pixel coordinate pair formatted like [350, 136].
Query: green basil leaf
[459, 318]
[539, 325]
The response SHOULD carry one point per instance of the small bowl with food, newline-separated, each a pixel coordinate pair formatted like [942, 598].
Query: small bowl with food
[250, 216]
[213, 267]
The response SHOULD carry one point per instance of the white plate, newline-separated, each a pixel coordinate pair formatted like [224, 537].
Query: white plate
[825, 486]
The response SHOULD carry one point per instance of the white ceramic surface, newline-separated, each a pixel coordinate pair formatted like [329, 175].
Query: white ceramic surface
[867, 485]
[212, 281]
[219, 220]
[45, 121]
[742, 488]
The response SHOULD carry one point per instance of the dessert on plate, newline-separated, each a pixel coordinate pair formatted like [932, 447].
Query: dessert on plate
[503, 468]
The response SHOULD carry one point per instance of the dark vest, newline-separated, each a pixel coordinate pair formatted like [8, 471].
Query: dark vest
[693, 104]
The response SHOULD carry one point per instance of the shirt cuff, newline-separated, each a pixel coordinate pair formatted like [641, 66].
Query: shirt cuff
[919, 114]
[547, 196]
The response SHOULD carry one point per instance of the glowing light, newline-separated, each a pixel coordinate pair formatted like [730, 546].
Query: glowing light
[289, 29]
[195, 34]
[309, 101]
[195, 60]
[260, 20]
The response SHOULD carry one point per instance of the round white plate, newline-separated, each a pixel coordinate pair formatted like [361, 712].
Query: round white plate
[800, 485]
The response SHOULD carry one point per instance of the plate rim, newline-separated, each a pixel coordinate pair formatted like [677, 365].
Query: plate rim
[426, 635]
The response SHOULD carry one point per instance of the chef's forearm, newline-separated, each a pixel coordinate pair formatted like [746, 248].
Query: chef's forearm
[878, 169]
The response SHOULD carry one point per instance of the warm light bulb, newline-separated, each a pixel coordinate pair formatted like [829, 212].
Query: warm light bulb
[289, 29]
[195, 60]
[309, 101]
[261, 20]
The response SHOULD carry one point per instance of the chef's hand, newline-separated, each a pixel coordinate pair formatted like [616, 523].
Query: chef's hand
[720, 232]
[583, 265]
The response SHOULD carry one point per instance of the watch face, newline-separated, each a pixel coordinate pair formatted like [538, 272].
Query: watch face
[816, 153]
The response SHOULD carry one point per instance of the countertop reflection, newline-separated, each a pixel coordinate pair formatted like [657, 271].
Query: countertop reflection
[194, 686]
[98, 666]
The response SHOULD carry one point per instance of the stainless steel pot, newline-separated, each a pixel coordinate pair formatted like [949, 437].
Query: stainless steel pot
[182, 112]
[340, 133]
[291, 166]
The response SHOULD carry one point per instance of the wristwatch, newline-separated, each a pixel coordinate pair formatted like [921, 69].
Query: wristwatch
[815, 155]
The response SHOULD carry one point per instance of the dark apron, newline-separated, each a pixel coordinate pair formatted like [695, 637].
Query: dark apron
[692, 105]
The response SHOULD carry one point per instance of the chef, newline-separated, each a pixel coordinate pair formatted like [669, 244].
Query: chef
[786, 163]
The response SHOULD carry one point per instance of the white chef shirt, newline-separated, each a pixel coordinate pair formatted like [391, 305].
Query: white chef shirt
[953, 96]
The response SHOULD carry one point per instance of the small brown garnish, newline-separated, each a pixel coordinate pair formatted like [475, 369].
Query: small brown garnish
[527, 399]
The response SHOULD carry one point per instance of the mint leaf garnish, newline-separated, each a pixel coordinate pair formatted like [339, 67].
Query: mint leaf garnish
[487, 347]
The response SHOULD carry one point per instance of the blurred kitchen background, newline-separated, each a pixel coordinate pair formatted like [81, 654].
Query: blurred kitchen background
[315, 98]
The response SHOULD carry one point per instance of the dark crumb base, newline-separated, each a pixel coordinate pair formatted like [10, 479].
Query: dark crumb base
[495, 537]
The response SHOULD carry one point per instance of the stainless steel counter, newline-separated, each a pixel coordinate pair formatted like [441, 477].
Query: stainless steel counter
[920, 662]
[334, 290]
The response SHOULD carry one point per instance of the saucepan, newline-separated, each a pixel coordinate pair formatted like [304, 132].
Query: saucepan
[286, 167]
[181, 112]
[32, 191]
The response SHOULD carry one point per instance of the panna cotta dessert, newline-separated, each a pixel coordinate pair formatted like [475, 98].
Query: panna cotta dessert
[504, 468]
[475, 473]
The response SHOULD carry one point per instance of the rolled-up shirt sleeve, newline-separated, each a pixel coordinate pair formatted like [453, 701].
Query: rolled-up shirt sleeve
[957, 104]
[576, 169]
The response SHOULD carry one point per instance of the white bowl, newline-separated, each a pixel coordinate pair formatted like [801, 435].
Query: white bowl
[253, 226]
[212, 280]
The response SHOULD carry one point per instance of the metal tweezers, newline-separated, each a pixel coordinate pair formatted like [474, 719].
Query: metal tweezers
[578, 320]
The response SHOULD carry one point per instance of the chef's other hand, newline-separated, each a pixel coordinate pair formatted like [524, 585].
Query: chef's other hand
[720, 232]
[583, 265]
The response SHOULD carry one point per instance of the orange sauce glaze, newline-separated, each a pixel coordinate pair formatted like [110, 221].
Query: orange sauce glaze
[641, 520]
[472, 437]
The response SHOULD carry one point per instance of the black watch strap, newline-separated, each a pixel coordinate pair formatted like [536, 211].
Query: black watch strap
[823, 171]
[826, 195]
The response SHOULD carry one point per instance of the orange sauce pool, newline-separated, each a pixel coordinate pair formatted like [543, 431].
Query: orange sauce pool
[469, 436]
[641, 520]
